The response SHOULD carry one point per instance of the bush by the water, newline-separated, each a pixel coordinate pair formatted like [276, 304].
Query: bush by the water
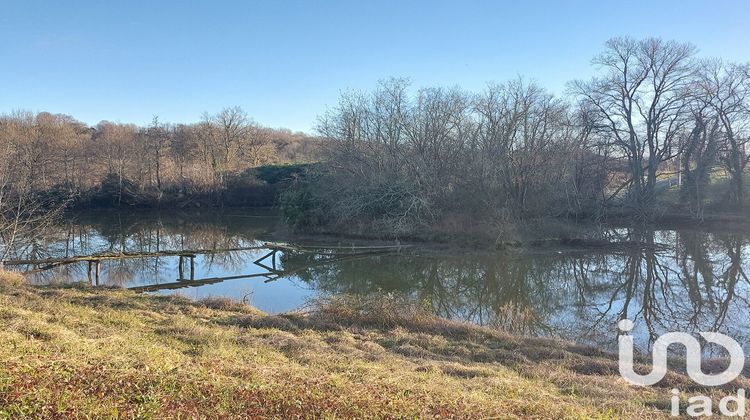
[11, 278]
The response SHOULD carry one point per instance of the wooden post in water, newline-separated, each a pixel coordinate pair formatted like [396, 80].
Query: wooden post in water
[98, 263]
[180, 268]
[192, 267]
[91, 281]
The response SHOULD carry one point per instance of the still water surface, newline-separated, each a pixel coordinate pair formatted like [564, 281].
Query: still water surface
[684, 280]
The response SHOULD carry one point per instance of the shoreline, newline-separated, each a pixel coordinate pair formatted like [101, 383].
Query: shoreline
[168, 356]
[548, 235]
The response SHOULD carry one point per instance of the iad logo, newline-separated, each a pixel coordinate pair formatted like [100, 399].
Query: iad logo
[699, 405]
[692, 359]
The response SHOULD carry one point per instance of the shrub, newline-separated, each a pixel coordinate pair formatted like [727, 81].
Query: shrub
[275, 174]
[11, 278]
[300, 208]
[115, 192]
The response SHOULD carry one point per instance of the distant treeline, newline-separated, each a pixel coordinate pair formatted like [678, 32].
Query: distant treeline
[657, 129]
[55, 159]
[653, 117]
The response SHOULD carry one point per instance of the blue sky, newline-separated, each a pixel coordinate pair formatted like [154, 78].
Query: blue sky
[285, 61]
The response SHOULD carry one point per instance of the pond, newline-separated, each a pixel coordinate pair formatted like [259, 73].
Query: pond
[678, 280]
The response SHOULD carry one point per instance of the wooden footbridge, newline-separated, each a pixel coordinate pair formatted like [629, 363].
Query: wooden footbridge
[269, 261]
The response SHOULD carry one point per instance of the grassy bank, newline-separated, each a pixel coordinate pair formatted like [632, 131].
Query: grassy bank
[72, 351]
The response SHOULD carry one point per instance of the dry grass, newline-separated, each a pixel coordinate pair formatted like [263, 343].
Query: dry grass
[11, 278]
[77, 352]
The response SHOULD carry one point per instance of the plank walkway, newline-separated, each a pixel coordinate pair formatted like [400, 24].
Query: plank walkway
[123, 255]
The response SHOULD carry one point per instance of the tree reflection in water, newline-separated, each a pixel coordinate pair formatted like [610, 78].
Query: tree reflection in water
[147, 233]
[677, 281]
[684, 280]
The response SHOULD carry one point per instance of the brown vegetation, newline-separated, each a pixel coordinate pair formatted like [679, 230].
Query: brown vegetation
[72, 352]
[398, 162]
[57, 157]
[11, 278]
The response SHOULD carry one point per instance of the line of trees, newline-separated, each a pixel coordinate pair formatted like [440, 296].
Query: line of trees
[654, 102]
[654, 112]
[396, 160]
[57, 157]
[51, 162]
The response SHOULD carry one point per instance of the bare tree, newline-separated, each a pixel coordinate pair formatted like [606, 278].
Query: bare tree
[522, 133]
[699, 154]
[233, 127]
[255, 148]
[404, 160]
[725, 88]
[22, 214]
[157, 141]
[183, 147]
[114, 144]
[641, 99]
